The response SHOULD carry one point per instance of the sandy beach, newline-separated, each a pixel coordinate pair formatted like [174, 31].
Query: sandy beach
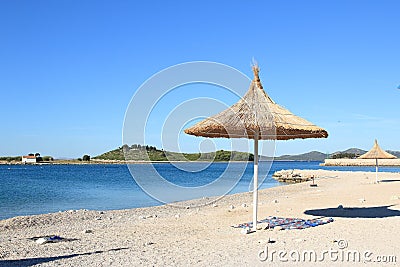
[367, 224]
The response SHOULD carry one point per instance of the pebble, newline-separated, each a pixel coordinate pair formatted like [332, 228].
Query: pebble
[177, 216]
[231, 207]
[244, 205]
[275, 201]
[245, 230]
[278, 228]
[215, 205]
[340, 207]
[88, 231]
[41, 241]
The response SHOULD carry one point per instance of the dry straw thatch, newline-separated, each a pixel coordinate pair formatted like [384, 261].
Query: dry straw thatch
[257, 111]
[377, 153]
[256, 116]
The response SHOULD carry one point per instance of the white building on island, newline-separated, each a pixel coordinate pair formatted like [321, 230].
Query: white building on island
[29, 159]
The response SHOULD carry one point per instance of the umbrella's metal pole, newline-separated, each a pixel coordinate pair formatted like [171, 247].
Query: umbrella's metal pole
[255, 190]
[376, 171]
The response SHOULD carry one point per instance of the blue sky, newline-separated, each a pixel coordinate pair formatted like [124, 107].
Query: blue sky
[69, 68]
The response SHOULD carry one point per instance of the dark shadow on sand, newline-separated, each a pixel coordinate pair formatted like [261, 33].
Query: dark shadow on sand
[388, 181]
[33, 261]
[354, 212]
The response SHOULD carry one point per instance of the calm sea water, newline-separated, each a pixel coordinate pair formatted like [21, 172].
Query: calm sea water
[36, 189]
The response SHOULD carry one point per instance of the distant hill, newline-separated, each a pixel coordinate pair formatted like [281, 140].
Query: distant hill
[395, 153]
[351, 151]
[319, 156]
[355, 151]
[310, 156]
[146, 153]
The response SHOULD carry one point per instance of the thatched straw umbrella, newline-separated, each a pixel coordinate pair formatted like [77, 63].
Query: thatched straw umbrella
[256, 116]
[377, 153]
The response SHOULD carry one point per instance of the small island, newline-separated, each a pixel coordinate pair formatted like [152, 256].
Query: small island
[137, 152]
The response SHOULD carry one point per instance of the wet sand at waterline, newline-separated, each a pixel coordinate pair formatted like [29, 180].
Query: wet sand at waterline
[366, 221]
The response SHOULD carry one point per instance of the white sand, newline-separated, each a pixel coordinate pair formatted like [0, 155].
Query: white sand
[203, 237]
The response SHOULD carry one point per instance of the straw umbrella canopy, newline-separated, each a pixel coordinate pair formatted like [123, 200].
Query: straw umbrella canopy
[377, 153]
[256, 116]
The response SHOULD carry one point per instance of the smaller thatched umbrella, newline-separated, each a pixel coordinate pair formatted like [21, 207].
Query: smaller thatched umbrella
[377, 153]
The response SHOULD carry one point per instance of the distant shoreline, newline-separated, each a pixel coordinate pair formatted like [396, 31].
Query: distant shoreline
[361, 162]
[117, 162]
[327, 162]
